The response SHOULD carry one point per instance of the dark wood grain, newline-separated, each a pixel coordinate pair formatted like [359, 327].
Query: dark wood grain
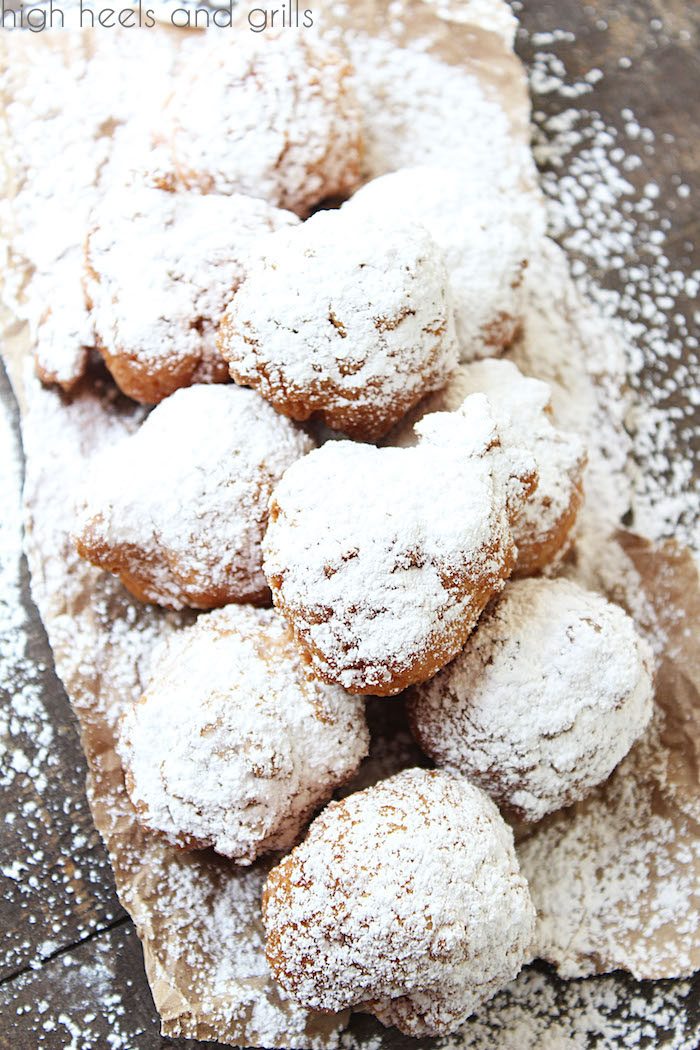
[648, 52]
[65, 890]
[101, 988]
[66, 948]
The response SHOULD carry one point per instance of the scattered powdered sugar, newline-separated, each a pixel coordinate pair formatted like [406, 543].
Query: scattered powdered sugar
[26, 732]
[232, 745]
[486, 234]
[53, 890]
[345, 317]
[81, 999]
[23, 713]
[382, 559]
[161, 269]
[544, 700]
[534, 1013]
[405, 898]
[537, 1012]
[274, 116]
[180, 507]
[618, 228]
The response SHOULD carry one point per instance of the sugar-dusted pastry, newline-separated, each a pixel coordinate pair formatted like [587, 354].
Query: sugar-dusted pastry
[382, 559]
[272, 115]
[64, 334]
[485, 234]
[404, 900]
[233, 745]
[548, 695]
[160, 270]
[178, 509]
[345, 320]
[544, 528]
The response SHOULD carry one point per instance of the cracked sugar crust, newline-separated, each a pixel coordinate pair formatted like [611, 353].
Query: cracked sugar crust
[544, 528]
[343, 319]
[274, 117]
[383, 558]
[485, 233]
[405, 900]
[547, 697]
[160, 270]
[232, 745]
[178, 510]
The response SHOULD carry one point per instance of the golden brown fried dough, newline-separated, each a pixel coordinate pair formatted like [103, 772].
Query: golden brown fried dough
[178, 509]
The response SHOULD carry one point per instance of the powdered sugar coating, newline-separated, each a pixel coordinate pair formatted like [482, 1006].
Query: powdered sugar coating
[405, 899]
[346, 319]
[161, 268]
[273, 116]
[548, 695]
[179, 508]
[485, 232]
[544, 527]
[382, 559]
[65, 333]
[232, 744]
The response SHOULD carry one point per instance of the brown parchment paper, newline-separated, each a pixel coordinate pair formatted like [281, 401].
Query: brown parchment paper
[197, 916]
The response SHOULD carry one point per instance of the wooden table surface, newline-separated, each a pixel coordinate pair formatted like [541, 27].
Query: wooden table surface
[71, 973]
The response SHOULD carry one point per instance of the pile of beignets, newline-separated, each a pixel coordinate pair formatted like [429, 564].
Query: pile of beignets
[415, 555]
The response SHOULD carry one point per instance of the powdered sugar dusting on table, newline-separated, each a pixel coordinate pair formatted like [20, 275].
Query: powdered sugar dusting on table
[19, 677]
[609, 220]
